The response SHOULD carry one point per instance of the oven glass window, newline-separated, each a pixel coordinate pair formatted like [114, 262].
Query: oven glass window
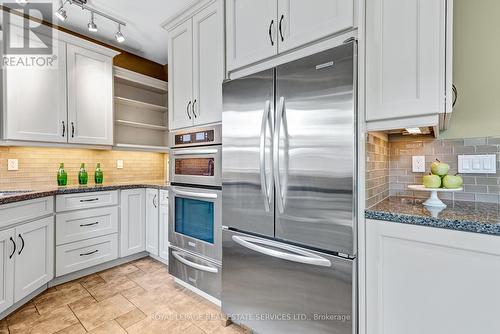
[195, 166]
[195, 218]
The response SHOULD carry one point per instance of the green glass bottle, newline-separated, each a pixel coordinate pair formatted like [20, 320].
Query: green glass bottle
[98, 175]
[83, 176]
[62, 176]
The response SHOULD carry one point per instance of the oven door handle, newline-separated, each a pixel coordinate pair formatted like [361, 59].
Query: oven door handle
[194, 194]
[195, 152]
[300, 256]
[188, 263]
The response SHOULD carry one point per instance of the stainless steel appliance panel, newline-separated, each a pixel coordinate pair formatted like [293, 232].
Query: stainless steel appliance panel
[204, 206]
[263, 280]
[198, 272]
[248, 196]
[314, 150]
[196, 165]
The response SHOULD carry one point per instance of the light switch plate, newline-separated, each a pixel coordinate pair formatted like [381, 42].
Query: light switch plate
[477, 164]
[12, 164]
[418, 164]
[119, 164]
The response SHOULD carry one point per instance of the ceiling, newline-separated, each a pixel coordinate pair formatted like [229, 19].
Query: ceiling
[144, 35]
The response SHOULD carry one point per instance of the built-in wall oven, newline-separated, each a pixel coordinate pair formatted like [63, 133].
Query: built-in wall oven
[195, 224]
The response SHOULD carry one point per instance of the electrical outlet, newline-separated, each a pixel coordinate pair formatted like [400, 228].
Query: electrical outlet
[12, 164]
[119, 164]
[418, 164]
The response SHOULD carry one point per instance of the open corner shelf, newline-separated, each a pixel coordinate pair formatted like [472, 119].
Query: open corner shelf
[150, 148]
[140, 104]
[141, 125]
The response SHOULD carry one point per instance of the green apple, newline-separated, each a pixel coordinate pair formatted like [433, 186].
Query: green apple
[439, 168]
[452, 181]
[432, 181]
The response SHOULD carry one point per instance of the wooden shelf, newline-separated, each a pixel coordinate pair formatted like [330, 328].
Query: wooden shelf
[140, 80]
[150, 148]
[141, 125]
[140, 104]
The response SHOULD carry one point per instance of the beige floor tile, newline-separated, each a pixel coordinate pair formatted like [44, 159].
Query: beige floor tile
[122, 270]
[56, 298]
[4, 327]
[135, 291]
[47, 323]
[112, 287]
[153, 300]
[156, 279]
[110, 327]
[108, 309]
[82, 303]
[25, 314]
[130, 318]
[148, 265]
[91, 281]
[232, 329]
[193, 330]
[166, 322]
[208, 317]
[75, 329]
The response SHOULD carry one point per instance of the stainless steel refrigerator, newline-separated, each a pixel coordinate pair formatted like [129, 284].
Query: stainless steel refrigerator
[288, 198]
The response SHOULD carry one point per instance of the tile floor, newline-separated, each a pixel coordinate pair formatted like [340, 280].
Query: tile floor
[137, 297]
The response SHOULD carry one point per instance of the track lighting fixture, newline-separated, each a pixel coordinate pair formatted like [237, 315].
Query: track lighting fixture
[62, 15]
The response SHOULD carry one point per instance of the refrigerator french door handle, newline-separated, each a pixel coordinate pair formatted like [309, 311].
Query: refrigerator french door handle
[264, 184]
[188, 263]
[276, 155]
[193, 194]
[301, 256]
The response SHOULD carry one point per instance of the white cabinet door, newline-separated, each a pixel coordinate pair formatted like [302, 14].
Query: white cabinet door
[35, 99]
[152, 224]
[90, 97]
[7, 259]
[163, 230]
[208, 64]
[405, 58]
[251, 31]
[132, 222]
[301, 22]
[180, 76]
[429, 280]
[34, 256]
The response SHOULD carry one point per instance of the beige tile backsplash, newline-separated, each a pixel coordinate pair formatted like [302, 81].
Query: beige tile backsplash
[477, 187]
[38, 166]
[377, 168]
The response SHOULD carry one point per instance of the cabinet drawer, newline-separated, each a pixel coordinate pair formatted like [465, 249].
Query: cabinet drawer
[195, 271]
[163, 197]
[86, 200]
[85, 224]
[25, 210]
[84, 254]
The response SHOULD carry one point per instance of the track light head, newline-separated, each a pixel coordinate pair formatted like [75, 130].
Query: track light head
[92, 26]
[61, 14]
[119, 36]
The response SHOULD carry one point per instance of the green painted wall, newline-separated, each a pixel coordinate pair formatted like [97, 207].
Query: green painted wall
[476, 69]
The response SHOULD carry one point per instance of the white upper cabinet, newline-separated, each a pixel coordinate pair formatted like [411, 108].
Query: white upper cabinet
[196, 68]
[34, 256]
[152, 212]
[90, 96]
[208, 64]
[301, 22]
[180, 75]
[405, 58]
[35, 99]
[251, 31]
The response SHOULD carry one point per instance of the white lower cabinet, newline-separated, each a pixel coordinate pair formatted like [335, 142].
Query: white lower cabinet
[429, 280]
[152, 212]
[132, 221]
[163, 228]
[6, 268]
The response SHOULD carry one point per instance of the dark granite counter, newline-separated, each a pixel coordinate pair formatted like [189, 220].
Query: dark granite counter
[11, 194]
[461, 216]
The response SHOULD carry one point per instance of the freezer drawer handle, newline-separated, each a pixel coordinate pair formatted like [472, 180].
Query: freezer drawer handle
[195, 152]
[265, 187]
[179, 257]
[304, 257]
[193, 194]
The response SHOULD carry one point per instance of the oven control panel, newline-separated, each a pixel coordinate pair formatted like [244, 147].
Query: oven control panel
[197, 137]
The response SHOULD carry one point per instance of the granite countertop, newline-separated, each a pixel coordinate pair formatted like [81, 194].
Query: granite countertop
[462, 216]
[13, 194]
